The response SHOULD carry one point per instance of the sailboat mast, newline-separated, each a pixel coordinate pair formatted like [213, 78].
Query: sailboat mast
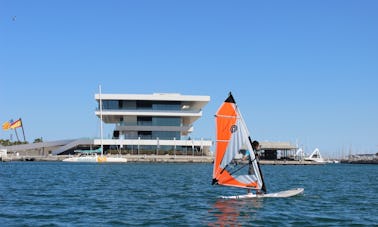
[101, 130]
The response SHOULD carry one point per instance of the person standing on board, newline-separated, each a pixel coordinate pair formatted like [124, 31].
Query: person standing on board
[255, 147]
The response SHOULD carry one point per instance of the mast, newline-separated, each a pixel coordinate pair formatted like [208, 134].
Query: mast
[18, 139]
[23, 132]
[101, 130]
[263, 188]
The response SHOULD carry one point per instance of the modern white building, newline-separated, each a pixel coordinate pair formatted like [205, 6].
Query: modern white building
[158, 123]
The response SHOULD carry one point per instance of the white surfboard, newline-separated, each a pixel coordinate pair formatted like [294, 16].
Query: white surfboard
[281, 194]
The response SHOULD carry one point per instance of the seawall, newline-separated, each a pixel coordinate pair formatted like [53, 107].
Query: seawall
[153, 159]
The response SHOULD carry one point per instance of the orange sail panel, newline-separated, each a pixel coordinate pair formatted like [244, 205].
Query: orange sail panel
[235, 163]
[225, 119]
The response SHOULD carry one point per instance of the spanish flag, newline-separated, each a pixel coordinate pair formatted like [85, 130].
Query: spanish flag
[6, 125]
[16, 124]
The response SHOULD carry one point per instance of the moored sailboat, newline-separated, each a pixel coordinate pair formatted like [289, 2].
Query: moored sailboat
[96, 158]
[316, 157]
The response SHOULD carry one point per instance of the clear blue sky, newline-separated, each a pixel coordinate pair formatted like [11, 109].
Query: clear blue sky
[303, 71]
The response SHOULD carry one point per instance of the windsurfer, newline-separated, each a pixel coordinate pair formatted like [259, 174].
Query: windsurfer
[233, 141]
[255, 147]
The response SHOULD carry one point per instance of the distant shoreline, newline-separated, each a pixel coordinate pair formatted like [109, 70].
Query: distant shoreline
[152, 159]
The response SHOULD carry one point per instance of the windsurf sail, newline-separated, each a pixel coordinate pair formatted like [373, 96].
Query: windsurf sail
[236, 163]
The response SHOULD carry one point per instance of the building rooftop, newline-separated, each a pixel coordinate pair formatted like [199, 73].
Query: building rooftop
[154, 97]
[277, 146]
[187, 101]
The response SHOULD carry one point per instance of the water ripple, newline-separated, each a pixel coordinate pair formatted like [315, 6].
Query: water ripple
[61, 194]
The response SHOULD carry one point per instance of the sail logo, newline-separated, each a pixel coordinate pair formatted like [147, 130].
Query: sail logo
[233, 128]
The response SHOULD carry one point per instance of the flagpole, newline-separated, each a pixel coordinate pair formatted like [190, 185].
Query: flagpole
[23, 132]
[18, 139]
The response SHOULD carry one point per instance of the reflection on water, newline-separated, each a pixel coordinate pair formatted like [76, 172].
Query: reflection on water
[234, 212]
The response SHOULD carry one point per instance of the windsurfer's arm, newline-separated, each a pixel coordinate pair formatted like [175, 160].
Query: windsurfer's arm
[246, 155]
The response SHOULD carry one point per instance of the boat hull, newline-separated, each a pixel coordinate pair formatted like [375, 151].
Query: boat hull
[99, 159]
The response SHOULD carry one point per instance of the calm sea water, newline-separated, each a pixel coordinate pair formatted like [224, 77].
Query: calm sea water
[66, 194]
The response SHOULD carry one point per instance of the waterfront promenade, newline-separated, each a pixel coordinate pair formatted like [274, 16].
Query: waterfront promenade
[152, 159]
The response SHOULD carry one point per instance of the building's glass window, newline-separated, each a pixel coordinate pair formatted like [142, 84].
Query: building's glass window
[118, 105]
[144, 121]
[110, 104]
[166, 105]
[128, 105]
[165, 135]
[166, 121]
[130, 135]
[144, 105]
[147, 135]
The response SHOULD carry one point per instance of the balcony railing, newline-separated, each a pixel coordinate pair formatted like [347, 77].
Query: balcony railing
[194, 111]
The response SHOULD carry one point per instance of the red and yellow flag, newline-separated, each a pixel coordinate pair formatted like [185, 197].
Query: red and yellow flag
[16, 124]
[6, 125]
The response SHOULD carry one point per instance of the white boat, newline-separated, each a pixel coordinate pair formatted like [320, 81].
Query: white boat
[316, 157]
[89, 157]
[92, 156]
[85, 158]
[95, 158]
[233, 139]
